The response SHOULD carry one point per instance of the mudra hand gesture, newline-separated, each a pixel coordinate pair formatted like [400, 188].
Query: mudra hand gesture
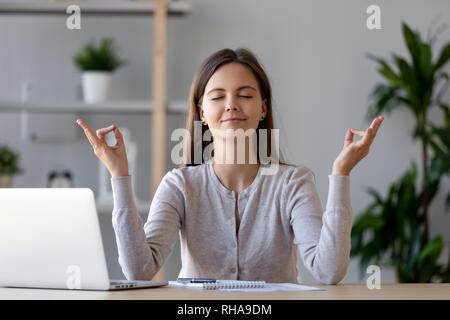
[354, 151]
[113, 157]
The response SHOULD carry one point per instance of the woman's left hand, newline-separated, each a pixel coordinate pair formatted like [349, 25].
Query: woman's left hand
[353, 152]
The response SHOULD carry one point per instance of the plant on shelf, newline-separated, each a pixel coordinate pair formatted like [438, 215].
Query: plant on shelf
[9, 166]
[393, 231]
[97, 64]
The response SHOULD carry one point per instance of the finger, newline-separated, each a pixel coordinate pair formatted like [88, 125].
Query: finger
[101, 133]
[358, 132]
[348, 138]
[89, 133]
[380, 121]
[118, 135]
[374, 127]
[368, 136]
[371, 132]
[376, 124]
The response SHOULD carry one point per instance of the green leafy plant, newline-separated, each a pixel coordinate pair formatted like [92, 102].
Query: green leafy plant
[9, 161]
[98, 58]
[394, 231]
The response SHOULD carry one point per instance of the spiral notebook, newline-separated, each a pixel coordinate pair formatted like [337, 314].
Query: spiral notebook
[221, 284]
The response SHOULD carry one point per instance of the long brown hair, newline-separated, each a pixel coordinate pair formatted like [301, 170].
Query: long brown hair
[201, 78]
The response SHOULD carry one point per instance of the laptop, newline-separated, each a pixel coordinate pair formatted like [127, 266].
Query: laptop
[51, 238]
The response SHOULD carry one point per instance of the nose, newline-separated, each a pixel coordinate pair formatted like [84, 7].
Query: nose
[232, 104]
[229, 108]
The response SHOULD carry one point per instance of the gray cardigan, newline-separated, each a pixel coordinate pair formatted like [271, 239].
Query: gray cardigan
[278, 213]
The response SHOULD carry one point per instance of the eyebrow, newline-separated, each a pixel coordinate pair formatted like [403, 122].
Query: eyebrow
[240, 88]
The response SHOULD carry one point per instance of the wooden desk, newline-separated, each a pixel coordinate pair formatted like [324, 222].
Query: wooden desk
[440, 291]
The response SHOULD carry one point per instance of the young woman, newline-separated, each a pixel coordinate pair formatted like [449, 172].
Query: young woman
[234, 222]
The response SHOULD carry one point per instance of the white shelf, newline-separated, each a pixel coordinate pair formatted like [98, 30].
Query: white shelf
[107, 7]
[125, 107]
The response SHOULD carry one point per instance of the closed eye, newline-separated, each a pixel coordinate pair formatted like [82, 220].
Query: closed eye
[246, 97]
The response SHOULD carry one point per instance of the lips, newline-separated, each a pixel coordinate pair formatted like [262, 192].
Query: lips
[231, 120]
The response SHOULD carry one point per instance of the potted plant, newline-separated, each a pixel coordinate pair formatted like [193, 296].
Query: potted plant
[97, 64]
[393, 231]
[9, 166]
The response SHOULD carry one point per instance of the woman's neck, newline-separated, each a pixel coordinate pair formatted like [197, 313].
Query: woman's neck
[236, 177]
[233, 173]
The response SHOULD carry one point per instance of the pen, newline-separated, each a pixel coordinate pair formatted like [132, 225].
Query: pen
[195, 280]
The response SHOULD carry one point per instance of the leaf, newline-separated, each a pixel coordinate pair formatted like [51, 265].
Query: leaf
[102, 57]
[374, 193]
[9, 161]
[370, 253]
[410, 176]
[438, 149]
[443, 57]
[443, 134]
[356, 244]
[425, 74]
[409, 78]
[432, 250]
[414, 248]
[385, 101]
[412, 40]
[447, 203]
[446, 110]
[386, 71]
[440, 165]
[426, 273]
[426, 65]
[367, 220]
[404, 100]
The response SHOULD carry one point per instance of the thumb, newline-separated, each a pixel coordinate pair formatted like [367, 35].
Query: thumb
[348, 138]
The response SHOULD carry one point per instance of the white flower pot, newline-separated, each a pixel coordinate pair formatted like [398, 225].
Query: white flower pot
[96, 86]
[6, 180]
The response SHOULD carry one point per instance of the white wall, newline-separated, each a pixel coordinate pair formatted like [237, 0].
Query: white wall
[314, 54]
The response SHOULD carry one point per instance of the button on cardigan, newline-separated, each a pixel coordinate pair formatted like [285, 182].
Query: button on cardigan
[278, 214]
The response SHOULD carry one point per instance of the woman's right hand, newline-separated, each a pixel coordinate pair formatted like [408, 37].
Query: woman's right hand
[113, 157]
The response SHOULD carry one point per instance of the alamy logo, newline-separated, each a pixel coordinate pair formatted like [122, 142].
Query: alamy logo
[73, 22]
[374, 280]
[374, 20]
[246, 146]
[74, 279]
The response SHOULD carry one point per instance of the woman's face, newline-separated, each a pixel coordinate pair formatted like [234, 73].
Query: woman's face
[232, 100]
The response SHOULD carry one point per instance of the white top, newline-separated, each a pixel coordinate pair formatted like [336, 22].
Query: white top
[277, 213]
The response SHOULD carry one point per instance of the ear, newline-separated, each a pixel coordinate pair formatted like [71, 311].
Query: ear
[201, 112]
[264, 108]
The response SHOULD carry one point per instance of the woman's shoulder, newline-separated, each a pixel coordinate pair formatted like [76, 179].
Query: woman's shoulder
[287, 172]
[179, 180]
[186, 173]
[295, 179]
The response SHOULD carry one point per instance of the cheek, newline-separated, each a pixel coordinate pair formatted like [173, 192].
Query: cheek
[254, 112]
[212, 112]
